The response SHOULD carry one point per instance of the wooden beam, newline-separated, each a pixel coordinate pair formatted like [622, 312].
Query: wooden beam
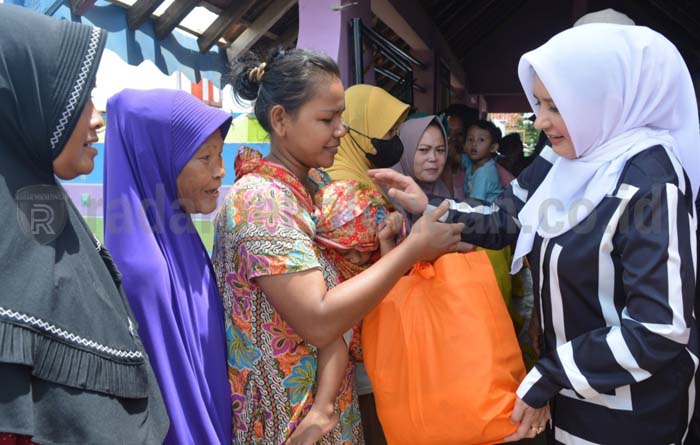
[476, 13]
[268, 34]
[489, 23]
[173, 16]
[259, 27]
[140, 12]
[232, 14]
[80, 7]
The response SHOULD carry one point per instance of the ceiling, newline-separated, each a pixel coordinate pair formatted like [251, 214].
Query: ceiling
[489, 36]
[486, 36]
[238, 24]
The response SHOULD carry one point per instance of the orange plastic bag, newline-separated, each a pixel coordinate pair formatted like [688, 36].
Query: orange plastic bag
[442, 355]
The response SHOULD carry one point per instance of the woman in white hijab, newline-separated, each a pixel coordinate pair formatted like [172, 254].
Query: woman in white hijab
[606, 219]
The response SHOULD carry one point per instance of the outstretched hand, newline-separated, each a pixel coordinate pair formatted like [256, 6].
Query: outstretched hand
[431, 238]
[402, 188]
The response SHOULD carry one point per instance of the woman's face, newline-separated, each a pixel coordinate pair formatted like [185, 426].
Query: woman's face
[77, 156]
[311, 136]
[199, 181]
[550, 121]
[431, 155]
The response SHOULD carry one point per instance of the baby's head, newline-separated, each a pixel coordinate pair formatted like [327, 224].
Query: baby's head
[347, 220]
[356, 256]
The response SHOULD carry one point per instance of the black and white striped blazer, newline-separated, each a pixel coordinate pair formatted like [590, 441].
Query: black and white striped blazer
[615, 298]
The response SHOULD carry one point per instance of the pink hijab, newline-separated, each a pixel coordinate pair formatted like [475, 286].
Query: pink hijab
[410, 133]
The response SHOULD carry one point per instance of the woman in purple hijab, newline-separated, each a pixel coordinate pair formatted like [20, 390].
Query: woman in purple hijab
[163, 162]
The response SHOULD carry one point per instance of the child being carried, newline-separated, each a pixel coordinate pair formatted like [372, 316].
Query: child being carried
[355, 229]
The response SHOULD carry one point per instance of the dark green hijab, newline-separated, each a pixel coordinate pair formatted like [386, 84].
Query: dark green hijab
[62, 315]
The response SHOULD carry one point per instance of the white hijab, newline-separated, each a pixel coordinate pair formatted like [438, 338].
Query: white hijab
[620, 90]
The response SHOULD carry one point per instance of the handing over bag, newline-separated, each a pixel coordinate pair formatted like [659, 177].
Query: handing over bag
[442, 355]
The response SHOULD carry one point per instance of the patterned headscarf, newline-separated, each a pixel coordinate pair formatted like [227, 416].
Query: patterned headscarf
[348, 216]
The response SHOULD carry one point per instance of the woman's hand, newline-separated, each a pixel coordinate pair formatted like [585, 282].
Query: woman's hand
[532, 420]
[401, 188]
[430, 238]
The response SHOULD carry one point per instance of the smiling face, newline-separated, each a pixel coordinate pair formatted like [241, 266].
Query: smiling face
[550, 121]
[199, 181]
[77, 156]
[431, 154]
[309, 138]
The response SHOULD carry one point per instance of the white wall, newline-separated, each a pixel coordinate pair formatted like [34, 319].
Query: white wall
[114, 75]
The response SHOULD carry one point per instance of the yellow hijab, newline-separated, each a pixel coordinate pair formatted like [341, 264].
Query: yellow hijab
[372, 111]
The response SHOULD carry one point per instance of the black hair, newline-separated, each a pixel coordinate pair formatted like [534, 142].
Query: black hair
[511, 144]
[493, 130]
[467, 115]
[288, 79]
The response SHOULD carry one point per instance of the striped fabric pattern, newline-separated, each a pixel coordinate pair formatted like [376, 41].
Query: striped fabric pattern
[615, 297]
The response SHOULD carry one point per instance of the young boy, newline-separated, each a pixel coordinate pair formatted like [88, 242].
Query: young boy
[481, 179]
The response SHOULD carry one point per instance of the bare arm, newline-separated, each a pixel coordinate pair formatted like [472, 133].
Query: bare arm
[320, 315]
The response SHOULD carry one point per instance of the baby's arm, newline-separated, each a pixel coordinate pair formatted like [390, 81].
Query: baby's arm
[389, 231]
[321, 419]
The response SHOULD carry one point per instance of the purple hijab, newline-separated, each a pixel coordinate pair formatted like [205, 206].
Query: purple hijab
[168, 277]
[410, 133]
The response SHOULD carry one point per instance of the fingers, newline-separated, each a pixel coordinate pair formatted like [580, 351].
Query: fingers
[463, 247]
[383, 173]
[402, 197]
[389, 177]
[392, 222]
[532, 421]
[525, 429]
[518, 411]
[396, 219]
[439, 211]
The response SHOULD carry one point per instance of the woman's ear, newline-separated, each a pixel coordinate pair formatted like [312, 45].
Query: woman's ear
[279, 120]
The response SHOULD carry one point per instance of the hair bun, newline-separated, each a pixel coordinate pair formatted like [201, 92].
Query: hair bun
[257, 73]
[245, 76]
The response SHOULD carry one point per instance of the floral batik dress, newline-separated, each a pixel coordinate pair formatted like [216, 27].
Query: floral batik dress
[266, 228]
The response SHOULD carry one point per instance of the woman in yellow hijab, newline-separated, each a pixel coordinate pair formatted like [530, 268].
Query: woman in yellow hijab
[370, 112]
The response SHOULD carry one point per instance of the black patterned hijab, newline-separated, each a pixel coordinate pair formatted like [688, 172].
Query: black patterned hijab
[62, 314]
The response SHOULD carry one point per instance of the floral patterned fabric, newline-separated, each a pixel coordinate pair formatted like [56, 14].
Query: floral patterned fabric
[348, 216]
[266, 228]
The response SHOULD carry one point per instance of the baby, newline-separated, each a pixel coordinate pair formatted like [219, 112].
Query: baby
[354, 229]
